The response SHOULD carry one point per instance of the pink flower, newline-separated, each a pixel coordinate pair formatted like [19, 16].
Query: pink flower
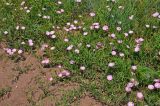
[105, 28]
[20, 51]
[109, 77]
[156, 80]
[111, 64]
[130, 104]
[64, 73]
[157, 85]
[9, 51]
[130, 85]
[137, 49]
[50, 79]
[128, 89]
[44, 46]
[69, 47]
[140, 95]
[126, 34]
[114, 53]
[139, 40]
[150, 87]
[14, 50]
[45, 61]
[156, 14]
[71, 61]
[95, 26]
[113, 35]
[30, 42]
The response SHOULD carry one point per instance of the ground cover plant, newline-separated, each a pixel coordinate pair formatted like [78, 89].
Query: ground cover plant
[107, 51]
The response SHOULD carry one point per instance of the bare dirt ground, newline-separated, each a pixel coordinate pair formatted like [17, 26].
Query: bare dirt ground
[25, 83]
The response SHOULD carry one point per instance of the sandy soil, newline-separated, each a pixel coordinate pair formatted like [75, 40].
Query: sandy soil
[32, 87]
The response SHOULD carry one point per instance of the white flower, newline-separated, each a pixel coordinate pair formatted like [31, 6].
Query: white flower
[53, 36]
[45, 17]
[5, 32]
[88, 45]
[126, 34]
[111, 64]
[20, 51]
[150, 87]
[47, 33]
[119, 41]
[147, 26]
[92, 14]
[82, 68]
[39, 15]
[17, 27]
[25, 7]
[66, 40]
[27, 11]
[78, 1]
[75, 21]
[68, 23]
[23, 43]
[71, 61]
[61, 10]
[154, 27]
[130, 32]
[121, 7]
[156, 14]
[22, 3]
[52, 48]
[23, 28]
[59, 2]
[51, 32]
[70, 47]
[118, 28]
[76, 51]
[14, 50]
[85, 33]
[121, 54]
[131, 17]
[134, 67]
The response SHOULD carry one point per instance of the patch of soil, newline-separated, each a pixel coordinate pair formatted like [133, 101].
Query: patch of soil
[32, 86]
[18, 88]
